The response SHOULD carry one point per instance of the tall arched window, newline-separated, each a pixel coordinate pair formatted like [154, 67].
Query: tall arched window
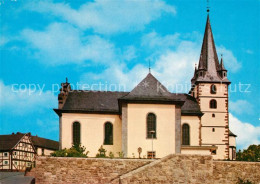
[213, 104]
[108, 133]
[185, 134]
[213, 89]
[76, 133]
[151, 125]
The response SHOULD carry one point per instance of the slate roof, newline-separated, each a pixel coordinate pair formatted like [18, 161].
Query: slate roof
[209, 59]
[7, 142]
[231, 134]
[149, 88]
[93, 101]
[109, 102]
[45, 143]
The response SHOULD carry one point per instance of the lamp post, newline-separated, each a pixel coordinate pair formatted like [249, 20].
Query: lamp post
[152, 132]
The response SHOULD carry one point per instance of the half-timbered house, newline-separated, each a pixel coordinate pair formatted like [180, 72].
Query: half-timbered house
[18, 151]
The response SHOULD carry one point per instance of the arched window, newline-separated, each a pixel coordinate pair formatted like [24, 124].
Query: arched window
[76, 133]
[213, 104]
[185, 134]
[213, 89]
[151, 125]
[108, 133]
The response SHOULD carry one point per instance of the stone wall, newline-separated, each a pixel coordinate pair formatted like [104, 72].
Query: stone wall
[82, 170]
[230, 171]
[173, 169]
[177, 168]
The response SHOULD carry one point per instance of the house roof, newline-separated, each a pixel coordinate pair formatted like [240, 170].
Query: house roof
[45, 143]
[7, 142]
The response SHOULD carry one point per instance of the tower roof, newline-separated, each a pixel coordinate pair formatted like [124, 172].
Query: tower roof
[208, 61]
[221, 65]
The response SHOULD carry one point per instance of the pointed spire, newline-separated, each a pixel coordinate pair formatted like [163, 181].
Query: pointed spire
[208, 57]
[221, 65]
[195, 72]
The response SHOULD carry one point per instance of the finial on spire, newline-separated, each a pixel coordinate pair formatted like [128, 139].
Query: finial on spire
[149, 67]
[208, 8]
[66, 79]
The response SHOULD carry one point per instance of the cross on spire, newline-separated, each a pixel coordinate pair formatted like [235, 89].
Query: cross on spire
[208, 8]
[149, 67]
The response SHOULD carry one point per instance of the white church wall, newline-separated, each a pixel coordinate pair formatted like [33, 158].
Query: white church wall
[220, 152]
[164, 143]
[205, 89]
[194, 123]
[232, 141]
[212, 135]
[218, 120]
[92, 131]
[195, 152]
[221, 104]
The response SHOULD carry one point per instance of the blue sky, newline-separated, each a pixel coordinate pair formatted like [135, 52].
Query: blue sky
[112, 42]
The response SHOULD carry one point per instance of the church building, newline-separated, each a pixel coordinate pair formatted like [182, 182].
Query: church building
[150, 120]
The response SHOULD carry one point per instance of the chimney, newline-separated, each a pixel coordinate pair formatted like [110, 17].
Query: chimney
[64, 91]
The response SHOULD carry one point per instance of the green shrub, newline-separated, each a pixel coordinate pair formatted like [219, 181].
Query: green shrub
[111, 155]
[120, 154]
[74, 151]
[102, 152]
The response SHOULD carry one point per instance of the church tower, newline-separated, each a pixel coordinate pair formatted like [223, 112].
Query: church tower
[210, 88]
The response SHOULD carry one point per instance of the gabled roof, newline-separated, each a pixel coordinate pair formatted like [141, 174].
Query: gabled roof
[7, 142]
[108, 102]
[149, 88]
[45, 143]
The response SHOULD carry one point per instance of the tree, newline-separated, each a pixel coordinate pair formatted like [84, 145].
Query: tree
[252, 153]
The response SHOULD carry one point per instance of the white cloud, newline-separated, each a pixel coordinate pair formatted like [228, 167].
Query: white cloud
[61, 43]
[173, 65]
[247, 133]
[107, 16]
[168, 68]
[25, 100]
[230, 61]
[117, 77]
[241, 107]
[154, 41]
